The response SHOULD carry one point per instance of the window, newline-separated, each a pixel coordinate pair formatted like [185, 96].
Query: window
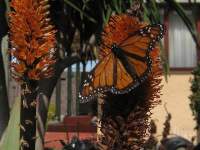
[182, 48]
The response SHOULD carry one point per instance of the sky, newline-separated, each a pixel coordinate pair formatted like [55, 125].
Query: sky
[89, 66]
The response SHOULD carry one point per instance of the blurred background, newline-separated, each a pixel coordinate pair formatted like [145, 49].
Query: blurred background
[79, 24]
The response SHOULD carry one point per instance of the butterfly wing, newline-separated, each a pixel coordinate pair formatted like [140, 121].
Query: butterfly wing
[99, 80]
[122, 79]
[136, 47]
[111, 75]
[143, 39]
[108, 75]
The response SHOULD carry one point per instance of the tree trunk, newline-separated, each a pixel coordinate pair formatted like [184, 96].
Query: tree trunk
[28, 116]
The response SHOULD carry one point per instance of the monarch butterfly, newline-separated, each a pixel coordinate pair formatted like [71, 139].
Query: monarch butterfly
[124, 57]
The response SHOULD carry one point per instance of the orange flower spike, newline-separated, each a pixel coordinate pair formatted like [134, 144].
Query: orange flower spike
[32, 36]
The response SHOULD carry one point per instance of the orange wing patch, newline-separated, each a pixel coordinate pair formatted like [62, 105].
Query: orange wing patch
[100, 80]
[123, 78]
[140, 66]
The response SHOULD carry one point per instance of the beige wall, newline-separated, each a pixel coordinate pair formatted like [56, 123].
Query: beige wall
[175, 95]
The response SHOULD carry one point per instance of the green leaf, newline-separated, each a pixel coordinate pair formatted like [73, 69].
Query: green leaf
[10, 139]
[156, 11]
[152, 12]
[164, 61]
[146, 13]
[116, 7]
[107, 15]
[82, 13]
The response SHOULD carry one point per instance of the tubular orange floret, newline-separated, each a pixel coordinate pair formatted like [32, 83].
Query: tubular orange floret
[32, 37]
[155, 76]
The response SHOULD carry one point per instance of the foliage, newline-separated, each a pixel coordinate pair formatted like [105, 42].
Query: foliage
[51, 112]
[195, 96]
[10, 140]
[88, 22]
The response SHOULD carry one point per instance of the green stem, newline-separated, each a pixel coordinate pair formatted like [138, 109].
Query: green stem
[28, 117]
